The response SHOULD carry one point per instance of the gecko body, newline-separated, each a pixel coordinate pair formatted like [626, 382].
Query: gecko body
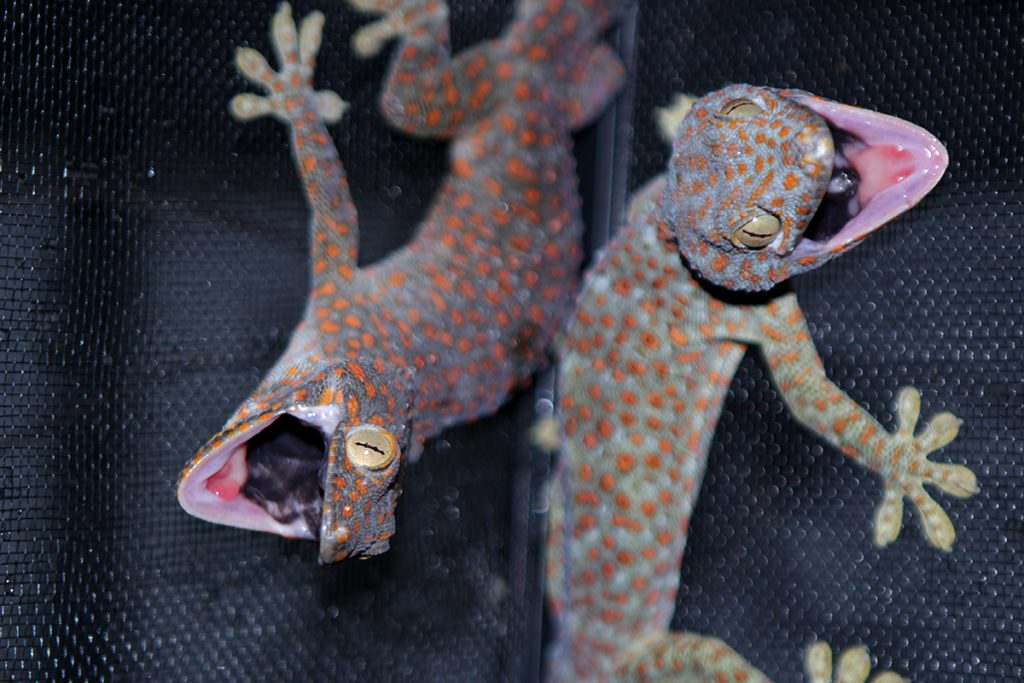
[438, 332]
[762, 184]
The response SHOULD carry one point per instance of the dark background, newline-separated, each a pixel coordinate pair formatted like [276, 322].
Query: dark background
[152, 264]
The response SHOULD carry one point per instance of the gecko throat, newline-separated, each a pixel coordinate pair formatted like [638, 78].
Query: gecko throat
[841, 201]
[286, 469]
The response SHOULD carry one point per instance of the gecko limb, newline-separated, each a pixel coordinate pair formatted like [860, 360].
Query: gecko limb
[899, 457]
[550, 56]
[290, 98]
[424, 20]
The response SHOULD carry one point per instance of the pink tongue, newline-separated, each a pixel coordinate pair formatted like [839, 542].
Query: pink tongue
[230, 479]
[879, 167]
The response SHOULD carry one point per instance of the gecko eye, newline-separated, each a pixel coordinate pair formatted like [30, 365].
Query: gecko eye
[757, 232]
[740, 109]
[370, 447]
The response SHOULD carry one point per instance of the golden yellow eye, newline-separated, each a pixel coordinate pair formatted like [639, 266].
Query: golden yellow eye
[758, 232]
[370, 447]
[741, 109]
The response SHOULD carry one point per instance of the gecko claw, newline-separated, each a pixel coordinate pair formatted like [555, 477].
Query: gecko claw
[889, 517]
[369, 40]
[956, 480]
[908, 410]
[246, 107]
[329, 106]
[854, 666]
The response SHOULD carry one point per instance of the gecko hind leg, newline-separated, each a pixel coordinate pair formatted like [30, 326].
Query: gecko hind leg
[683, 657]
[428, 92]
[692, 658]
[399, 18]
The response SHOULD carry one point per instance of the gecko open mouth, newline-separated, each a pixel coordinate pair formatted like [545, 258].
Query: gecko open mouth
[882, 166]
[274, 479]
[267, 476]
[841, 201]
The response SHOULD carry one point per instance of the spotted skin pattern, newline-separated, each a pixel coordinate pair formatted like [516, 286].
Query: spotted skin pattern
[441, 330]
[647, 362]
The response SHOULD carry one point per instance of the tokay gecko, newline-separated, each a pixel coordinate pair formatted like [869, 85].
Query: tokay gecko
[762, 184]
[441, 330]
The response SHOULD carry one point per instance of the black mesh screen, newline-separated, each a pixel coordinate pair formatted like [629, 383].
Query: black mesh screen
[152, 264]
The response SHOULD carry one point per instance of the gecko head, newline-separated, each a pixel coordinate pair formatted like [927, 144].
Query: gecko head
[315, 453]
[764, 184]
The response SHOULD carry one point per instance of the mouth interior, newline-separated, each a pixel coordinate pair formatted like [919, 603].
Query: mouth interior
[280, 471]
[843, 199]
[286, 466]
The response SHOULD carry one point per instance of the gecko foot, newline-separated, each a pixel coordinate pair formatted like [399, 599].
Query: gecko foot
[400, 17]
[853, 666]
[909, 469]
[289, 91]
[671, 115]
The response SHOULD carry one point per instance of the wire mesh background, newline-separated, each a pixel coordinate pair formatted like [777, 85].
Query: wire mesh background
[152, 264]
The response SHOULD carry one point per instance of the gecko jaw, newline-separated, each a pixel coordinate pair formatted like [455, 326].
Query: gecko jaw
[896, 163]
[237, 483]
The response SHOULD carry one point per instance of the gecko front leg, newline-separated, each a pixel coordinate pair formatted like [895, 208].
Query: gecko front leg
[900, 456]
[290, 98]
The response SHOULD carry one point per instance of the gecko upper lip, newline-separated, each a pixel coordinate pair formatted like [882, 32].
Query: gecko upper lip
[897, 163]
